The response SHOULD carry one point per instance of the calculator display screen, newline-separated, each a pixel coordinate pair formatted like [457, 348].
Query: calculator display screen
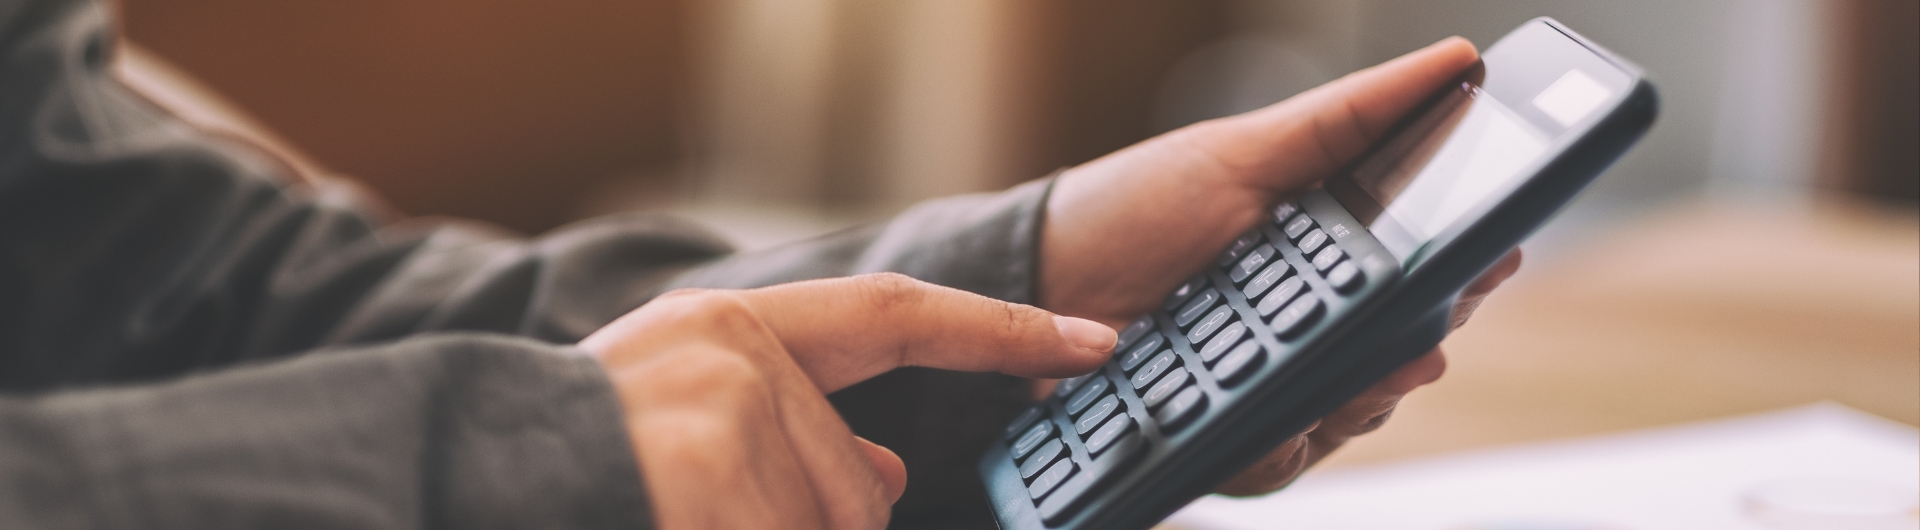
[1445, 164]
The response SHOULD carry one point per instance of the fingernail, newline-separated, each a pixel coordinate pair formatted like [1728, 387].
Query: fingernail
[1086, 333]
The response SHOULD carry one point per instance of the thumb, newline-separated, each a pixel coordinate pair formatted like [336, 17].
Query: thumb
[893, 471]
[844, 330]
[1315, 133]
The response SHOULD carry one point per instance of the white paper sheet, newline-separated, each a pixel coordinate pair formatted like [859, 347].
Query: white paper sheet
[1693, 477]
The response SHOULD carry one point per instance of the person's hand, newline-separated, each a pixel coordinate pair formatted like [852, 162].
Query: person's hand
[724, 391]
[1126, 228]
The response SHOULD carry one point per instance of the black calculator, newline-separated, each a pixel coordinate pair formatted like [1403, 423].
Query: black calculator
[1334, 291]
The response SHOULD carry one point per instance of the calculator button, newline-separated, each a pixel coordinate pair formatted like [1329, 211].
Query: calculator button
[1327, 258]
[1031, 440]
[1026, 418]
[1181, 408]
[1184, 291]
[1197, 307]
[1282, 294]
[1087, 394]
[1068, 385]
[1219, 344]
[1296, 315]
[1219, 317]
[1099, 411]
[1345, 277]
[1284, 210]
[1251, 264]
[1297, 226]
[1154, 368]
[1072, 494]
[1312, 241]
[1162, 390]
[1108, 432]
[1051, 478]
[1239, 247]
[1134, 331]
[1267, 277]
[1046, 454]
[1140, 353]
[1238, 363]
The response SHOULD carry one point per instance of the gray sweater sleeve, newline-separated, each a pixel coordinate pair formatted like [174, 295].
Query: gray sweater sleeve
[189, 340]
[455, 431]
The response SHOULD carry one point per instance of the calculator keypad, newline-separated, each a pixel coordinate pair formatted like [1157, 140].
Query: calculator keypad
[1166, 369]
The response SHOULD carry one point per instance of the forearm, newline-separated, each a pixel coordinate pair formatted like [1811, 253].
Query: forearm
[983, 243]
[457, 431]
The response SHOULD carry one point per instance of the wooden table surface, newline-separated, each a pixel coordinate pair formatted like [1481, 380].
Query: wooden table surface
[1702, 311]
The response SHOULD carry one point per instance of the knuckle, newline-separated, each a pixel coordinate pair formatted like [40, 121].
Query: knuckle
[889, 291]
[708, 307]
[715, 377]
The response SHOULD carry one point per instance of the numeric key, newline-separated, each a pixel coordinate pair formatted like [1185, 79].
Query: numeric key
[1154, 368]
[1184, 406]
[1196, 307]
[1205, 328]
[1099, 411]
[1087, 394]
[1162, 390]
[1140, 353]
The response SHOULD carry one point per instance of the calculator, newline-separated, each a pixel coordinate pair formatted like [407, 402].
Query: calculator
[1328, 295]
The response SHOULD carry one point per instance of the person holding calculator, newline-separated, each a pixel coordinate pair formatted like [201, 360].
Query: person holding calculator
[195, 337]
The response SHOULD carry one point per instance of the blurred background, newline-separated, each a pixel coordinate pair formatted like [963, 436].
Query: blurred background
[1759, 249]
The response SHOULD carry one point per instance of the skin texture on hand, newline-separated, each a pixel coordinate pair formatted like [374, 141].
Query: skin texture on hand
[725, 391]
[1124, 229]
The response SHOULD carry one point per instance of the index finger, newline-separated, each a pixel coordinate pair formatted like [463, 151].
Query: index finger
[845, 330]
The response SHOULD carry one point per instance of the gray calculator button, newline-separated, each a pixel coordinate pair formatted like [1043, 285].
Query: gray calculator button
[1296, 315]
[1162, 390]
[1068, 385]
[1282, 294]
[1345, 277]
[1297, 226]
[1026, 418]
[1312, 241]
[1219, 317]
[1041, 457]
[1032, 439]
[1197, 307]
[1154, 368]
[1219, 344]
[1137, 329]
[1091, 391]
[1067, 499]
[1099, 411]
[1327, 258]
[1267, 277]
[1141, 352]
[1051, 478]
[1251, 264]
[1108, 432]
[1185, 291]
[1284, 211]
[1237, 364]
[1184, 406]
[1239, 247]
